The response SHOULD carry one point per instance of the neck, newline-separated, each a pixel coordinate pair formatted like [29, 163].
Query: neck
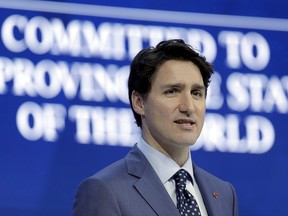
[178, 154]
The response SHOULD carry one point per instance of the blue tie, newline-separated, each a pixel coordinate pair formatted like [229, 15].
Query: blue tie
[186, 202]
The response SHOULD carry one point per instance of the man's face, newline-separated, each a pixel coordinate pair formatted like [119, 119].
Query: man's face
[174, 110]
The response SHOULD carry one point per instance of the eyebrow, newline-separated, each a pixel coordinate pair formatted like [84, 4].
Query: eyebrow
[182, 86]
[176, 85]
[198, 86]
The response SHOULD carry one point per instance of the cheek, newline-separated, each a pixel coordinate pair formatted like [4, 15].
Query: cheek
[159, 110]
[161, 117]
[201, 110]
[158, 114]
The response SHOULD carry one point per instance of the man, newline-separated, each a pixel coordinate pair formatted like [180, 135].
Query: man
[167, 91]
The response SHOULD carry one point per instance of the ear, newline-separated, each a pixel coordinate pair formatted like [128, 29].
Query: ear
[137, 103]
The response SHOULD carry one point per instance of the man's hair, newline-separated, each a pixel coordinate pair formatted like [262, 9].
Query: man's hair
[146, 63]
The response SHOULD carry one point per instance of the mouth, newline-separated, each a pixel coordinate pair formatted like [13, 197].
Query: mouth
[184, 122]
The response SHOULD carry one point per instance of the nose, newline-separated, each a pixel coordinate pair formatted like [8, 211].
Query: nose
[186, 105]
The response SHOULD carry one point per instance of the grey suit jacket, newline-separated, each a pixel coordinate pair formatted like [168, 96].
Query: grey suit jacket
[131, 187]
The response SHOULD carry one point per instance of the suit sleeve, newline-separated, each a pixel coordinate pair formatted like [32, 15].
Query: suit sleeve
[95, 198]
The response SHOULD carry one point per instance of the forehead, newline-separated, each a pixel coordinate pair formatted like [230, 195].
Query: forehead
[178, 71]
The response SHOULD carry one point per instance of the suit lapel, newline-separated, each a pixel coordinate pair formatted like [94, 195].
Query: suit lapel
[149, 185]
[207, 190]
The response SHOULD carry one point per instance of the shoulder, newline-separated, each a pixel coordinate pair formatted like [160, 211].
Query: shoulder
[207, 176]
[132, 165]
[111, 171]
[100, 190]
[102, 178]
[206, 179]
[212, 187]
[96, 194]
[123, 171]
[108, 187]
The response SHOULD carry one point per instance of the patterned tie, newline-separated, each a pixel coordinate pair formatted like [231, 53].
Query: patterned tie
[186, 202]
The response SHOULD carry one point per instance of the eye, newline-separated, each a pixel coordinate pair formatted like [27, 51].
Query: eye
[197, 94]
[171, 91]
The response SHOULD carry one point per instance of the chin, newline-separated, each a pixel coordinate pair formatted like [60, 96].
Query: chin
[187, 142]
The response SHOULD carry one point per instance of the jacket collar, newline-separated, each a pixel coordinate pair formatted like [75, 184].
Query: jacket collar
[149, 184]
[208, 191]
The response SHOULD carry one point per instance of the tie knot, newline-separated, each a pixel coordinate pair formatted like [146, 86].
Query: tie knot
[180, 178]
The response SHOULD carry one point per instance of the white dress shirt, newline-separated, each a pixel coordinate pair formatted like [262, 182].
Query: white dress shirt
[165, 168]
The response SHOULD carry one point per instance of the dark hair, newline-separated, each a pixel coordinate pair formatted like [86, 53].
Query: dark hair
[148, 61]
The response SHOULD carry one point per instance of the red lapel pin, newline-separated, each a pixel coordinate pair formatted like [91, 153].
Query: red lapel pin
[215, 195]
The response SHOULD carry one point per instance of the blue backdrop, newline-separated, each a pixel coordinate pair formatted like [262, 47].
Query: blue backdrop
[64, 108]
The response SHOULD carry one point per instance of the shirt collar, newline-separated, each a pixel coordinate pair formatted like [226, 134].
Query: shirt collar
[163, 165]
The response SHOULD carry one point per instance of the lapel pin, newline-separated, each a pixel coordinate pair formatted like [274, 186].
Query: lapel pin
[215, 195]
